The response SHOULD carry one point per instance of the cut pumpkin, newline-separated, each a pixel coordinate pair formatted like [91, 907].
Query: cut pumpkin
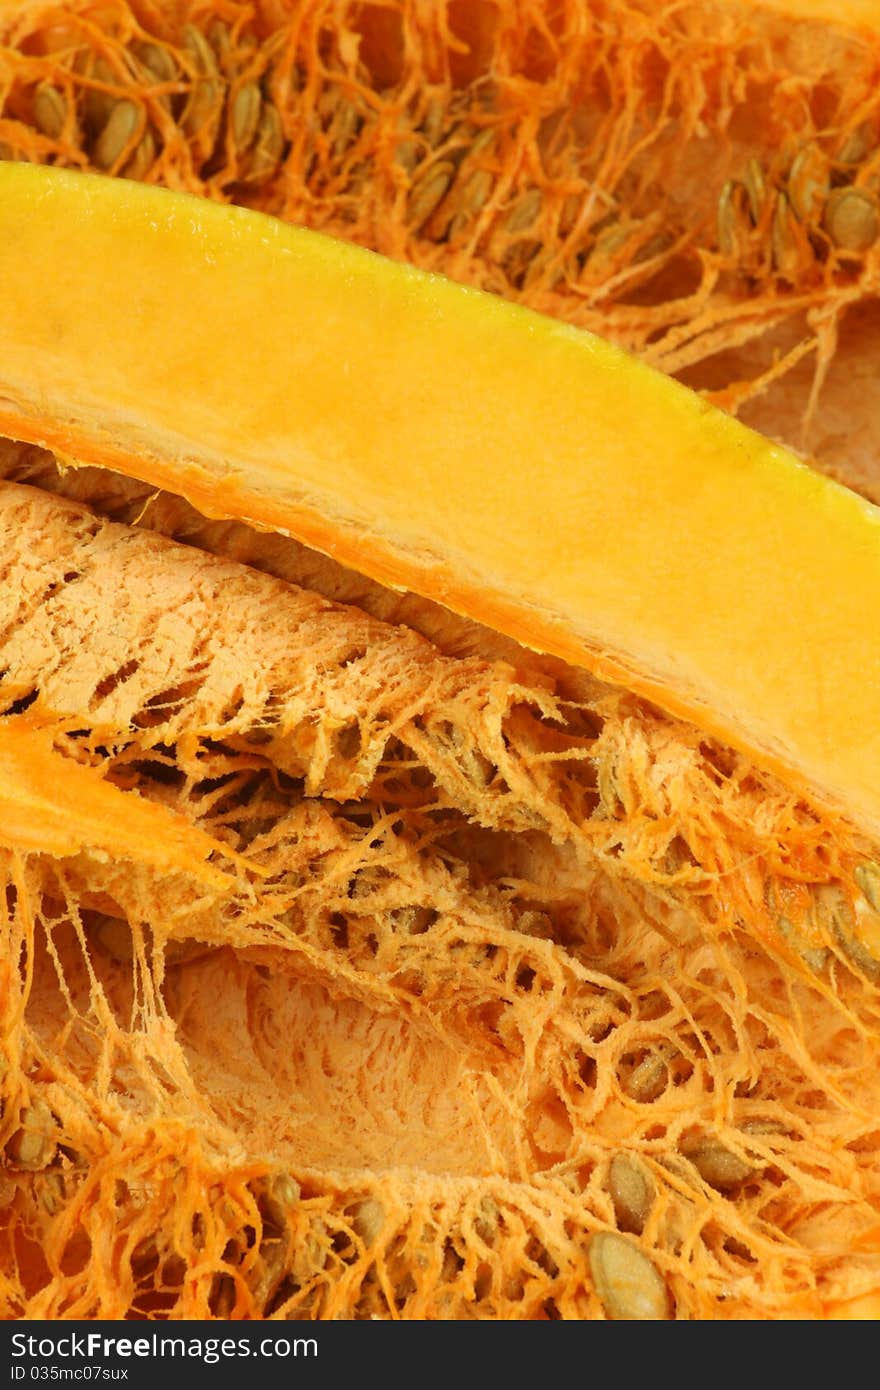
[696, 183]
[475, 906]
[566, 494]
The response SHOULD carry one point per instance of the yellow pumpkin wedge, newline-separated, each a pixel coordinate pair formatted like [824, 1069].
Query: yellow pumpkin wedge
[566, 494]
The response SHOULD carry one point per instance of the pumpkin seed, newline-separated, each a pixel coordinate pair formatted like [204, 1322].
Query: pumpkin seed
[270, 1269]
[471, 195]
[861, 942]
[761, 1126]
[200, 51]
[368, 1220]
[201, 113]
[628, 1283]
[220, 39]
[632, 1192]
[851, 219]
[427, 192]
[158, 61]
[280, 1193]
[857, 145]
[345, 126]
[50, 110]
[142, 160]
[311, 1252]
[605, 252]
[487, 1221]
[783, 243]
[716, 1164]
[867, 876]
[432, 125]
[649, 1078]
[477, 191]
[97, 105]
[245, 117]
[808, 182]
[569, 213]
[478, 144]
[50, 1189]
[518, 257]
[728, 221]
[756, 189]
[221, 1299]
[541, 268]
[33, 1146]
[857, 932]
[816, 957]
[117, 133]
[524, 211]
[268, 146]
[406, 152]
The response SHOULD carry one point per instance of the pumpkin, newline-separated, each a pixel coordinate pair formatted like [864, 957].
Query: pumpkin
[490, 928]
[697, 183]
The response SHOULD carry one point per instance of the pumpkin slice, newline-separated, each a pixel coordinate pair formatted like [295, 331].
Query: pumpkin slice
[527, 474]
[697, 183]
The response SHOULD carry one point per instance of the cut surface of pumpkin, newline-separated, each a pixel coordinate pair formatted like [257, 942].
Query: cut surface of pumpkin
[698, 183]
[439, 853]
[566, 493]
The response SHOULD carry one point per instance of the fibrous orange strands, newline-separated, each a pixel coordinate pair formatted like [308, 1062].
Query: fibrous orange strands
[543, 917]
[673, 181]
